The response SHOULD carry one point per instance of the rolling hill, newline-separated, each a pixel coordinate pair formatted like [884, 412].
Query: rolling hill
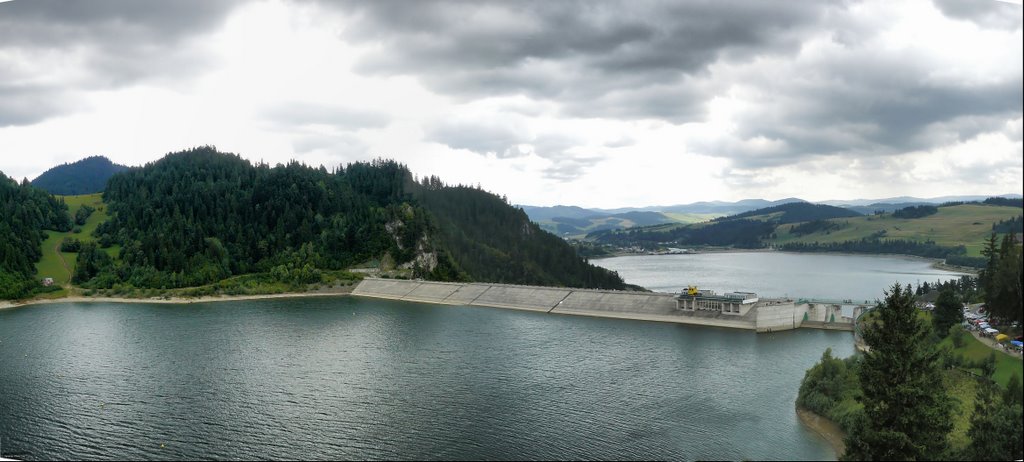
[953, 231]
[965, 225]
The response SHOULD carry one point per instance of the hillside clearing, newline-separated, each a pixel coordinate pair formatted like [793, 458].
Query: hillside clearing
[50, 264]
[968, 225]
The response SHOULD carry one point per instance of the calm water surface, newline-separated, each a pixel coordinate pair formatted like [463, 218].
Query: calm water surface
[351, 378]
[777, 274]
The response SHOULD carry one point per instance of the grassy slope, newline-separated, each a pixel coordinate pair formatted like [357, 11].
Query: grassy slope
[967, 225]
[974, 350]
[691, 217]
[49, 265]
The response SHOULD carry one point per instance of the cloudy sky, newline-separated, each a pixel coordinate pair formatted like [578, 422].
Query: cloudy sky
[591, 103]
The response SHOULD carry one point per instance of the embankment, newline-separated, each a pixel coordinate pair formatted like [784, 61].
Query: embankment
[769, 315]
[824, 427]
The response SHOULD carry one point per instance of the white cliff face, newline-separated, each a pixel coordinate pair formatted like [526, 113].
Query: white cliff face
[426, 258]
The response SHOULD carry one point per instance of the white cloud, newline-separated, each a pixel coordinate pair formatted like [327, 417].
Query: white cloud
[617, 107]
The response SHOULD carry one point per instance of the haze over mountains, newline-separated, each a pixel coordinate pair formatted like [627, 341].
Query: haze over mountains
[570, 220]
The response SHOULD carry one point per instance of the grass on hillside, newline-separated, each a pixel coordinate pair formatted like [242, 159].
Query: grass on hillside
[964, 390]
[691, 217]
[50, 265]
[972, 350]
[968, 225]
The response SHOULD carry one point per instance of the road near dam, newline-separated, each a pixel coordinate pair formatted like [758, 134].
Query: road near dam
[760, 315]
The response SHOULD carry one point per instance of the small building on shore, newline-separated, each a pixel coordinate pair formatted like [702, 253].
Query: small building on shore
[47, 282]
[734, 303]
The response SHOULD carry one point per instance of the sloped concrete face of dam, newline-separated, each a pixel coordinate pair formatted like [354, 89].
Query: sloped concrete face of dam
[521, 297]
[769, 315]
[581, 300]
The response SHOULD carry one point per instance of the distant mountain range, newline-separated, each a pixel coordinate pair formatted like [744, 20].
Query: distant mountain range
[86, 176]
[569, 220]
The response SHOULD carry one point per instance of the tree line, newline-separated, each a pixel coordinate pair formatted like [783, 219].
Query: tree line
[876, 244]
[199, 216]
[1001, 279]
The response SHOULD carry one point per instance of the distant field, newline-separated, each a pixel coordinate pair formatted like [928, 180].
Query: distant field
[50, 265]
[967, 225]
[691, 217]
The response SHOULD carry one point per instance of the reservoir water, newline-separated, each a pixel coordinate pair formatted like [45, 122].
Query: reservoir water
[777, 274]
[352, 378]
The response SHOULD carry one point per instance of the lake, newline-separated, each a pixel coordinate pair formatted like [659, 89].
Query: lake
[352, 378]
[777, 274]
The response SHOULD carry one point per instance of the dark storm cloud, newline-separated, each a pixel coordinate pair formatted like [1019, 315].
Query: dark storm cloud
[578, 53]
[109, 44]
[986, 13]
[866, 107]
[299, 114]
[636, 60]
[28, 104]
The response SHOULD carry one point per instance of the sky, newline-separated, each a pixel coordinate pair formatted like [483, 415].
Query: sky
[590, 103]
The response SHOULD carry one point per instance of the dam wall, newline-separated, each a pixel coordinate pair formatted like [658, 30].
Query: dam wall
[768, 315]
[646, 306]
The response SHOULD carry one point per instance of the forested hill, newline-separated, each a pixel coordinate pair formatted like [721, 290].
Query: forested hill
[24, 212]
[199, 216]
[493, 241]
[87, 176]
[796, 212]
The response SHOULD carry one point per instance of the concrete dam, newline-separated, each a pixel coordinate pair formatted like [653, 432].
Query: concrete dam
[736, 310]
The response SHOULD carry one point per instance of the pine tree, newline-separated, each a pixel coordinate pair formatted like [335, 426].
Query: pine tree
[948, 312]
[986, 279]
[1005, 301]
[906, 407]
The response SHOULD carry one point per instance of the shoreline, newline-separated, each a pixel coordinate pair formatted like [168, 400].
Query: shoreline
[937, 263]
[172, 300]
[825, 428]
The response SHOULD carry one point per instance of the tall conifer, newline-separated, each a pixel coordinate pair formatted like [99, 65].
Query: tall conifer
[906, 408]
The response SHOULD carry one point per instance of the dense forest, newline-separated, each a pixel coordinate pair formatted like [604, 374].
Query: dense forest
[493, 241]
[87, 176]
[1012, 225]
[199, 216]
[916, 211]
[26, 212]
[796, 212]
[878, 245]
[1005, 201]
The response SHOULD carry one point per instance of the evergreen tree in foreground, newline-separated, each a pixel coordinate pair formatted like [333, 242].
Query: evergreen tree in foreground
[906, 408]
